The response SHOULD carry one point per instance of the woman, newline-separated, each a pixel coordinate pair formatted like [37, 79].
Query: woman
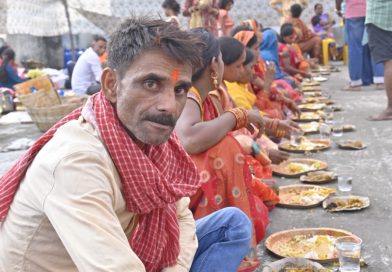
[202, 13]
[290, 55]
[172, 9]
[8, 74]
[322, 23]
[225, 23]
[270, 54]
[271, 94]
[205, 130]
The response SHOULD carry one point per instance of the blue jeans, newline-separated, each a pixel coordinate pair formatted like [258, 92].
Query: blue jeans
[224, 240]
[362, 69]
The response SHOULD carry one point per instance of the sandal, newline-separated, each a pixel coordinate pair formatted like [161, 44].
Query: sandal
[350, 88]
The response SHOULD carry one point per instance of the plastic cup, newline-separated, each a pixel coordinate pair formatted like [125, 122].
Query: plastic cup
[337, 130]
[328, 115]
[345, 179]
[349, 251]
[295, 137]
[325, 131]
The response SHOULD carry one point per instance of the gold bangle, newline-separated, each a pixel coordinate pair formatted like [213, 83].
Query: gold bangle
[241, 117]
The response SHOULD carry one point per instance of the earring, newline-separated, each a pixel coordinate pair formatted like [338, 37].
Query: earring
[214, 76]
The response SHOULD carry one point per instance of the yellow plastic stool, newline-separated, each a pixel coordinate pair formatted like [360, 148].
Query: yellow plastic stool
[345, 54]
[325, 48]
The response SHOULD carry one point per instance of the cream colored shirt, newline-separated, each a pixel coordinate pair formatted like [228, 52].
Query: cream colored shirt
[69, 213]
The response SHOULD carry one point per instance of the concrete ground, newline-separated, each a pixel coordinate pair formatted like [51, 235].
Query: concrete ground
[372, 176]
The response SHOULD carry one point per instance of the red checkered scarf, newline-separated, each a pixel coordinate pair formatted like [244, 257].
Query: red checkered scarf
[152, 181]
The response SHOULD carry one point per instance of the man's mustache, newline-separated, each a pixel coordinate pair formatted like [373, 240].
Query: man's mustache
[166, 120]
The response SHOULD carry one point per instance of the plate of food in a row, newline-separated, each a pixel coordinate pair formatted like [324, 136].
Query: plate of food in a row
[294, 265]
[302, 196]
[305, 145]
[311, 106]
[294, 168]
[348, 128]
[309, 82]
[317, 244]
[319, 177]
[346, 203]
[351, 144]
[310, 128]
[307, 117]
[320, 99]
[307, 89]
[320, 79]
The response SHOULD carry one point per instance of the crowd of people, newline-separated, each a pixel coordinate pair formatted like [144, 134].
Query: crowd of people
[167, 167]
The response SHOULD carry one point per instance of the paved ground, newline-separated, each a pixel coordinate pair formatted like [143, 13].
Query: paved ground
[372, 177]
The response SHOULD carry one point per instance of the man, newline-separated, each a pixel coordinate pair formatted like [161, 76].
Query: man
[283, 7]
[107, 188]
[379, 25]
[362, 70]
[305, 38]
[86, 75]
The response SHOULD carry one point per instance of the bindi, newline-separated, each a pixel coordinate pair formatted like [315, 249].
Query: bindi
[174, 75]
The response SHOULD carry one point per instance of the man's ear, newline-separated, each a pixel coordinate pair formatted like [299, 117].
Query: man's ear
[109, 84]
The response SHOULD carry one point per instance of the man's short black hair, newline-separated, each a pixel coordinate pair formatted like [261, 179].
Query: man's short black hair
[136, 35]
[99, 38]
[296, 10]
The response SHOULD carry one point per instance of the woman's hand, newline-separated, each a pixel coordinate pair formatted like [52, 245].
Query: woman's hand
[291, 105]
[277, 156]
[287, 126]
[255, 119]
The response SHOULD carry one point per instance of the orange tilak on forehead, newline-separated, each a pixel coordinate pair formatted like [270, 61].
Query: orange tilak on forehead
[174, 75]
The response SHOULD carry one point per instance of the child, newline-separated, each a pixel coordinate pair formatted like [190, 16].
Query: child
[225, 23]
[172, 9]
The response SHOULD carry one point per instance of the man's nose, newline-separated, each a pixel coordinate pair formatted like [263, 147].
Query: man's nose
[167, 101]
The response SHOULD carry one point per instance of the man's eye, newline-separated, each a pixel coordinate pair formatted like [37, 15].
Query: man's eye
[151, 84]
[181, 90]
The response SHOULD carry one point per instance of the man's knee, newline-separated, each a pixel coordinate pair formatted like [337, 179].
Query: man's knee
[239, 221]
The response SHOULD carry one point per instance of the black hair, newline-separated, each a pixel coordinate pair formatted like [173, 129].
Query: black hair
[239, 28]
[315, 20]
[135, 35]
[211, 49]
[296, 10]
[287, 29]
[224, 3]
[99, 38]
[316, 5]
[9, 55]
[249, 56]
[173, 5]
[2, 49]
[231, 49]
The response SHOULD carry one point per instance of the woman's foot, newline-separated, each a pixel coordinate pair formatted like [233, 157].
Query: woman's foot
[351, 88]
[385, 115]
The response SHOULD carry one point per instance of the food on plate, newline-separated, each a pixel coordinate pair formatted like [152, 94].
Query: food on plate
[340, 203]
[352, 144]
[309, 127]
[312, 106]
[297, 167]
[307, 116]
[303, 196]
[303, 144]
[294, 268]
[347, 128]
[318, 176]
[319, 247]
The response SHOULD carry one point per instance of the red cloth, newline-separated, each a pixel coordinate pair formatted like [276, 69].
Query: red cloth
[153, 180]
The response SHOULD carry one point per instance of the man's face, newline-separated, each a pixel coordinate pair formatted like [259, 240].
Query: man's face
[99, 47]
[151, 96]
